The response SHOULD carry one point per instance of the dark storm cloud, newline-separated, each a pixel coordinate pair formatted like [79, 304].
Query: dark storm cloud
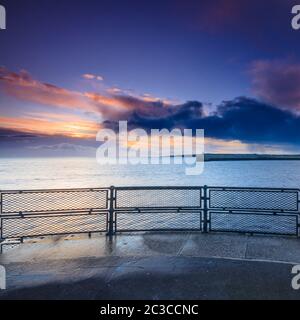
[243, 119]
[11, 135]
[249, 120]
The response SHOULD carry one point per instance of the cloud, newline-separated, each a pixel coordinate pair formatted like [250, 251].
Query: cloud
[14, 143]
[38, 126]
[242, 119]
[13, 135]
[89, 76]
[251, 121]
[277, 82]
[23, 87]
[114, 90]
[115, 106]
[64, 146]
[235, 146]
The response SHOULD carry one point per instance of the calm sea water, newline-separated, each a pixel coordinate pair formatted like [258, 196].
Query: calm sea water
[32, 173]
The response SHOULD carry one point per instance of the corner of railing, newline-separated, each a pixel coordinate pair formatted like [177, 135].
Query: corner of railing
[111, 211]
[205, 209]
[1, 231]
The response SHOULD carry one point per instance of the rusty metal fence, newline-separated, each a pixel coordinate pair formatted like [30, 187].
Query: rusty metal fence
[34, 213]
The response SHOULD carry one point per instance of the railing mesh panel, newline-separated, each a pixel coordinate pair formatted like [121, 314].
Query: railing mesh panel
[254, 223]
[254, 199]
[53, 201]
[47, 225]
[158, 198]
[159, 221]
[49, 212]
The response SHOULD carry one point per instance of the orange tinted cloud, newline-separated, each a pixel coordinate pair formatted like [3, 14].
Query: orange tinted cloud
[66, 127]
[236, 146]
[24, 87]
[114, 106]
[108, 107]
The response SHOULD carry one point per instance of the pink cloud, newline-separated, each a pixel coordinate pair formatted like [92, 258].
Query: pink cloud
[22, 86]
[277, 82]
[90, 76]
[108, 106]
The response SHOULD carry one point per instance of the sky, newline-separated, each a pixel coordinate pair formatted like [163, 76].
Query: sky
[69, 68]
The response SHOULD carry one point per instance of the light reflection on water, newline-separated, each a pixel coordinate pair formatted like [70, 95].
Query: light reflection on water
[33, 173]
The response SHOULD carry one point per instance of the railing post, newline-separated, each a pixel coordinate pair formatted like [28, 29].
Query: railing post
[111, 231]
[205, 209]
[1, 224]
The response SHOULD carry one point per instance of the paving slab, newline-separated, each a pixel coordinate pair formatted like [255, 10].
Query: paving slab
[273, 248]
[150, 244]
[215, 245]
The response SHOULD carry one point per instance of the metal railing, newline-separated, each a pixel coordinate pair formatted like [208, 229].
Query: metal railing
[254, 210]
[34, 213]
[158, 208]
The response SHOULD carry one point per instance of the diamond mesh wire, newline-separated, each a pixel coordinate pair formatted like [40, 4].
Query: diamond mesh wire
[45, 201]
[159, 221]
[52, 224]
[254, 223]
[161, 208]
[158, 198]
[254, 199]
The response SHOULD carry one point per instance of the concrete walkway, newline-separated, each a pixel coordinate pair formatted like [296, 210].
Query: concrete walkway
[153, 266]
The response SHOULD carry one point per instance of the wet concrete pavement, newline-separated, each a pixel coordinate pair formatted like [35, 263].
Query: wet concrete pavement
[153, 266]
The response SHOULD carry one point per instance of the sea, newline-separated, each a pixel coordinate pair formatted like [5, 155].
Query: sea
[60, 173]
[48, 173]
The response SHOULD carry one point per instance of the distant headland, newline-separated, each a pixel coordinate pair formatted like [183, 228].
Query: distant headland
[244, 157]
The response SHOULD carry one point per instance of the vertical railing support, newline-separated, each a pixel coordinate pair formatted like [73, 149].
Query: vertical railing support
[111, 220]
[298, 209]
[1, 223]
[205, 209]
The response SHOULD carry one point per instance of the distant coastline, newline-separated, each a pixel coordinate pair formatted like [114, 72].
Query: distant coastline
[247, 157]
